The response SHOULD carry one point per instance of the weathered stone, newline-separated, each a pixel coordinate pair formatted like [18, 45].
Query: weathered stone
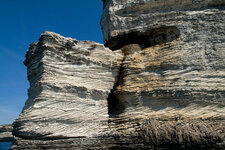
[143, 21]
[130, 49]
[166, 90]
[178, 77]
[182, 81]
[6, 133]
[69, 85]
[178, 133]
[81, 143]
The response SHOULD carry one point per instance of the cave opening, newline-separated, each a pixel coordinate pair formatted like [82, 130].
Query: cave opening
[145, 39]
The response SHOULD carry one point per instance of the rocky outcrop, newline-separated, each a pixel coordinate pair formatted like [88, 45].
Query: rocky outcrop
[171, 93]
[162, 86]
[6, 133]
[151, 22]
[69, 85]
[168, 97]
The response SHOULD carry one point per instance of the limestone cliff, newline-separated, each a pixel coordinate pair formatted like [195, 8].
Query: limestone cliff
[160, 85]
[151, 22]
[171, 91]
[70, 82]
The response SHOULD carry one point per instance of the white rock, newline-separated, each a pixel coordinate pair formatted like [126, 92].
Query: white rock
[69, 85]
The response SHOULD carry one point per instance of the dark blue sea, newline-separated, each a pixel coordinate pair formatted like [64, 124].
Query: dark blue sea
[5, 145]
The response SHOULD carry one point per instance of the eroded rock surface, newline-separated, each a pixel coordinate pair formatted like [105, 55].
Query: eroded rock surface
[6, 133]
[69, 85]
[151, 22]
[169, 96]
[171, 93]
[167, 89]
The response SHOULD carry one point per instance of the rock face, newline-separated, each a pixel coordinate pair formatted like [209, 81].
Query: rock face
[172, 92]
[6, 133]
[69, 85]
[162, 87]
[151, 22]
[169, 96]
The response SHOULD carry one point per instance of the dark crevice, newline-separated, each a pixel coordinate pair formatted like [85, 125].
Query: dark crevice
[145, 39]
[129, 44]
[104, 3]
[114, 107]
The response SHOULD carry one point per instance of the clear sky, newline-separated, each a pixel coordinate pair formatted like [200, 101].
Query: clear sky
[21, 23]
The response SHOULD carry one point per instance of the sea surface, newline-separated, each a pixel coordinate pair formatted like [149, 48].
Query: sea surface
[5, 145]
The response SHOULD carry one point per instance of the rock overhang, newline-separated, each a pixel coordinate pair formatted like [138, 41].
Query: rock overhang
[126, 18]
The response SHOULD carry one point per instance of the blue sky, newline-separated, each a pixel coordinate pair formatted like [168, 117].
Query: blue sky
[21, 23]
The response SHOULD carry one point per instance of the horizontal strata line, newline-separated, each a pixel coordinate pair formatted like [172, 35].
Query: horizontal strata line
[76, 59]
[71, 87]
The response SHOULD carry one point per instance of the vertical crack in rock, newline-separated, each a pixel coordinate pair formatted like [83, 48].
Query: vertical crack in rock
[114, 106]
[147, 103]
[113, 101]
[129, 44]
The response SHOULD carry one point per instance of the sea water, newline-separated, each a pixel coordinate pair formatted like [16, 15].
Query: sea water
[5, 145]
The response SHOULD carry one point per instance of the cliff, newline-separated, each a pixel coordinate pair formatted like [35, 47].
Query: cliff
[159, 85]
[69, 85]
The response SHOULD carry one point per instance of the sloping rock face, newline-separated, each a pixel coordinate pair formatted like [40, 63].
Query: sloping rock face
[70, 82]
[172, 92]
[6, 133]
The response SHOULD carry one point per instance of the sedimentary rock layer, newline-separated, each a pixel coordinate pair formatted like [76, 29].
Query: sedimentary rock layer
[171, 89]
[6, 133]
[167, 90]
[168, 96]
[141, 19]
[69, 85]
